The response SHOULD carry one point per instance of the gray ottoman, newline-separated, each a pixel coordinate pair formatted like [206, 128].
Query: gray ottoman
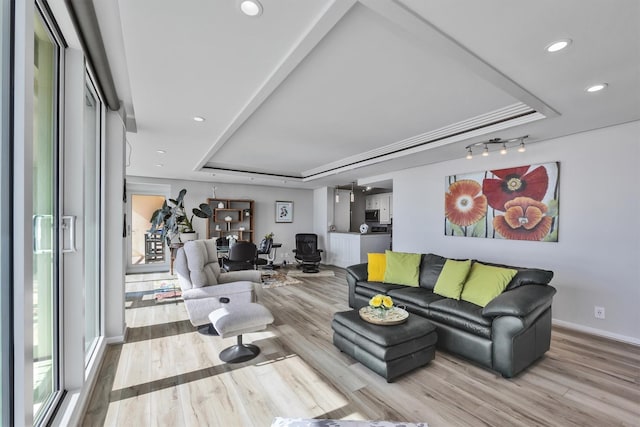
[237, 319]
[390, 351]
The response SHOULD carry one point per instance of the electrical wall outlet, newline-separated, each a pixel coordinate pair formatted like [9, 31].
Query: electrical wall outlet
[599, 312]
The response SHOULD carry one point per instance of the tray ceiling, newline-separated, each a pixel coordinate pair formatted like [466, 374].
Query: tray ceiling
[317, 93]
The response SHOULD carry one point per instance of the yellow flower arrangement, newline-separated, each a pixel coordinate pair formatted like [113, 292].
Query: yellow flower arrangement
[381, 303]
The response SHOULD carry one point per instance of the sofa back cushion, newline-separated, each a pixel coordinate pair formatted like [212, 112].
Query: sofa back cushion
[202, 259]
[526, 276]
[430, 269]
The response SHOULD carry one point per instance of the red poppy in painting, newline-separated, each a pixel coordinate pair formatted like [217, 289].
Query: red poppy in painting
[515, 182]
[464, 202]
[524, 219]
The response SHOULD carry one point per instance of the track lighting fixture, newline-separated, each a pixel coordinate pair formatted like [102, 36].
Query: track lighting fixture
[522, 148]
[504, 143]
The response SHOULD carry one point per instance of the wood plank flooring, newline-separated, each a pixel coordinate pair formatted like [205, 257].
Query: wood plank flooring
[168, 374]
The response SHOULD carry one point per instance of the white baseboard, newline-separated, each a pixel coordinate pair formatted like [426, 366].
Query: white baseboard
[598, 332]
[118, 339]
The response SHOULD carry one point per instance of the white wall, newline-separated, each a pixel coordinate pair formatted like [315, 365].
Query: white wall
[597, 258]
[264, 198]
[114, 259]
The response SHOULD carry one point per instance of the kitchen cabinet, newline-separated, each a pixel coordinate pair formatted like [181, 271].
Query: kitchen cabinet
[382, 202]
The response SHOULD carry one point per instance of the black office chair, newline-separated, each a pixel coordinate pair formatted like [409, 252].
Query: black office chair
[242, 256]
[264, 248]
[307, 253]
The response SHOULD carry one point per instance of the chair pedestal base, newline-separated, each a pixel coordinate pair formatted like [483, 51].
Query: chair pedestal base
[239, 353]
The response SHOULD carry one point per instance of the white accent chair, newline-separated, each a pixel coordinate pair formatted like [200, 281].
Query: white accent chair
[203, 283]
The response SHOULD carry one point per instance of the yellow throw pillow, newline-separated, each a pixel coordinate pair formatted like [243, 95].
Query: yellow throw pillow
[451, 279]
[486, 282]
[376, 268]
[403, 268]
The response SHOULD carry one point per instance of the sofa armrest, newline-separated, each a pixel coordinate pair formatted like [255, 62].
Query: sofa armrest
[237, 276]
[356, 273]
[216, 291]
[520, 301]
[359, 272]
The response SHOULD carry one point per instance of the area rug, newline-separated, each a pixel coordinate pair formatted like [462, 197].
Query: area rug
[166, 295]
[300, 273]
[274, 279]
[167, 292]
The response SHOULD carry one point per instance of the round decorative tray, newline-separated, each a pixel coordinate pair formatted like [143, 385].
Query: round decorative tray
[394, 316]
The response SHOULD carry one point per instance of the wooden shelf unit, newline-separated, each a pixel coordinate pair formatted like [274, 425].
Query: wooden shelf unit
[241, 212]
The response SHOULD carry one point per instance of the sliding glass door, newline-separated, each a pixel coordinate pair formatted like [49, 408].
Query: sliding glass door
[45, 215]
[5, 217]
[92, 240]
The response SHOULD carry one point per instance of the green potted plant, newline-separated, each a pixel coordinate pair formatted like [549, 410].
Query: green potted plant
[173, 222]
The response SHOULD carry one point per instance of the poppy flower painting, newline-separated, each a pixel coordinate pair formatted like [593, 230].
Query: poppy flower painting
[519, 203]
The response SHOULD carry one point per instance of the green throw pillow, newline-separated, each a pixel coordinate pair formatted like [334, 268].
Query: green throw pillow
[402, 268]
[486, 282]
[451, 278]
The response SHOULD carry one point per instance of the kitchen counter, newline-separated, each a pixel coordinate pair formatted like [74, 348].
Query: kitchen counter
[349, 248]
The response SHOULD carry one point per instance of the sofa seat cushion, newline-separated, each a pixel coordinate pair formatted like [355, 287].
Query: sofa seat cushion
[370, 289]
[462, 315]
[419, 297]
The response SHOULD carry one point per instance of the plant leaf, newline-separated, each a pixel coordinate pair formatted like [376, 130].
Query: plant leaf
[457, 230]
[552, 208]
[479, 229]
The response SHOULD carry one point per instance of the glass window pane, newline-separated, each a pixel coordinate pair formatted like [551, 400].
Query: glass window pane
[45, 271]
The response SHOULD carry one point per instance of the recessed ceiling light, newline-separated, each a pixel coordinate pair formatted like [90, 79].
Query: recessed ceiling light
[558, 45]
[159, 165]
[251, 7]
[198, 119]
[596, 88]
[161, 151]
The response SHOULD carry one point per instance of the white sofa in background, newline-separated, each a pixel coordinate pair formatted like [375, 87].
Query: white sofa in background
[203, 283]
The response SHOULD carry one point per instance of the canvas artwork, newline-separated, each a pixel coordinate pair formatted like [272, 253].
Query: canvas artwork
[519, 203]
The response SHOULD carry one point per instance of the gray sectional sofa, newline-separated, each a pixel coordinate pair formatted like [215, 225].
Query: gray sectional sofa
[507, 335]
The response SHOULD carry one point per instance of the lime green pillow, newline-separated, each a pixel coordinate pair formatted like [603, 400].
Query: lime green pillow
[402, 268]
[376, 267]
[451, 279]
[486, 282]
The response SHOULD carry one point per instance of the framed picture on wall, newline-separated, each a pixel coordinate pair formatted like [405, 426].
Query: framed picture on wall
[284, 211]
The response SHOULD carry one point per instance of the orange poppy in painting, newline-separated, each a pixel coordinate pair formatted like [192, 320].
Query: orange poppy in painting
[515, 182]
[464, 203]
[524, 219]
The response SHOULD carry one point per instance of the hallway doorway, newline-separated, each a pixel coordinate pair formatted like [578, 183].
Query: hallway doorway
[146, 251]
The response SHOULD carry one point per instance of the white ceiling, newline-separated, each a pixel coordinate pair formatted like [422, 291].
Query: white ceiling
[315, 93]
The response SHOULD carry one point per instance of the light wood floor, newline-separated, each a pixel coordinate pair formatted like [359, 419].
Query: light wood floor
[168, 374]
